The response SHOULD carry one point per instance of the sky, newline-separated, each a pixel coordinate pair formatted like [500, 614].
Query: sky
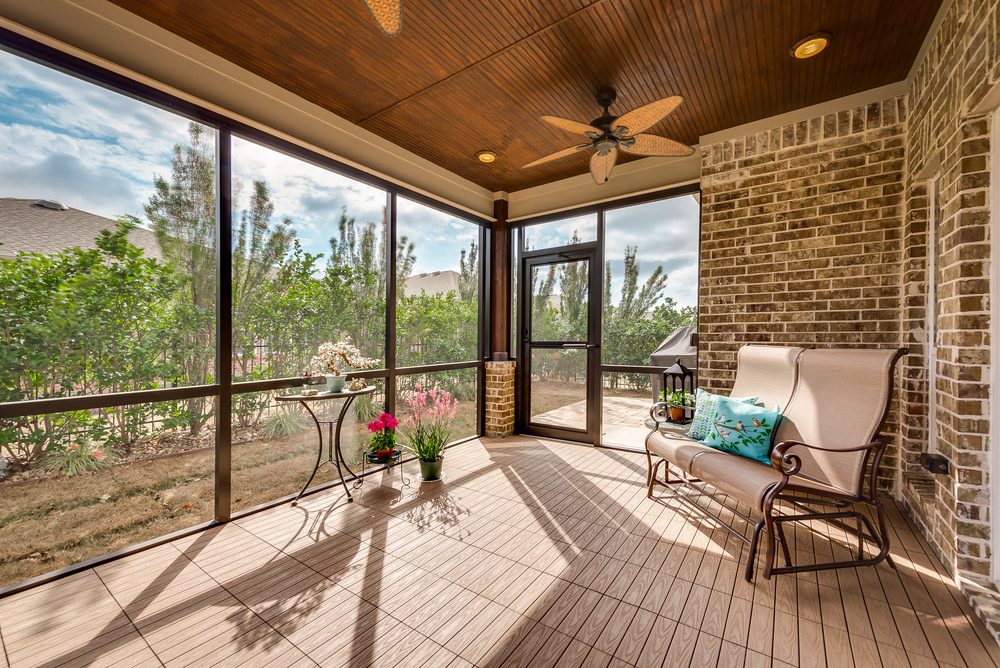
[98, 151]
[665, 233]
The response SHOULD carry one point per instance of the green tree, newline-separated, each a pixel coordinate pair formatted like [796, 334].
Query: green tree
[357, 267]
[259, 253]
[182, 213]
[468, 275]
[77, 322]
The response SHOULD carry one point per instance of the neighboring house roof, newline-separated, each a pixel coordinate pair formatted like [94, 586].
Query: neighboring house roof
[432, 283]
[32, 228]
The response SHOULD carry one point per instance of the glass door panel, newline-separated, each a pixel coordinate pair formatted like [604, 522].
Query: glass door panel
[559, 387]
[559, 345]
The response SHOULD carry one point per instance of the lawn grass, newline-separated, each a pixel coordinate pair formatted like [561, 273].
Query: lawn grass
[52, 523]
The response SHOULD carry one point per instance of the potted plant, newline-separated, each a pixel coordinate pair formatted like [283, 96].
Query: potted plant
[428, 429]
[334, 359]
[678, 401]
[383, 441]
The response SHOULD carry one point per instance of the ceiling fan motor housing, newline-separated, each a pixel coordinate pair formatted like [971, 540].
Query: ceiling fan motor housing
[605, 143]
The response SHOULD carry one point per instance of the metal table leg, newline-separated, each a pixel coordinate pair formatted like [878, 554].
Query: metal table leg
[319, 456]
[334, 454]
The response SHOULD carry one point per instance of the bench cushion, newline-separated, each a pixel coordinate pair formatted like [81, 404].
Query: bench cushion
[675, 447]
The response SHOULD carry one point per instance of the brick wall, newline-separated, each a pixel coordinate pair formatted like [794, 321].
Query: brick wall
[499, 399]
[818, 234]
[801, 240]
[961, 62]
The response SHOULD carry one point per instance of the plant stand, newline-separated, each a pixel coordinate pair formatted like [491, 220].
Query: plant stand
[333, 454]
[374, 460]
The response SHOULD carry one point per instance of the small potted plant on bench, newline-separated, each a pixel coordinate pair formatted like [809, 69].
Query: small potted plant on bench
[678, 401]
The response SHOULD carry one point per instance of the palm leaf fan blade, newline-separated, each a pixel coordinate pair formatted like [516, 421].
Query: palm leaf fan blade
[571, 126]
[655, 145]
[558, 154]
[388, 14]
[601, 165]
[645, 117]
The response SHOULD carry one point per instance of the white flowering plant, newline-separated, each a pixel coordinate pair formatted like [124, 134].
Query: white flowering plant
[334, 358]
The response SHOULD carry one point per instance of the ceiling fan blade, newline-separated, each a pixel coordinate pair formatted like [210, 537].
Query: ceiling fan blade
[645, 117]
[558, 154]
[601, 165]
[571, 126]
[656, 145]
[388, 14]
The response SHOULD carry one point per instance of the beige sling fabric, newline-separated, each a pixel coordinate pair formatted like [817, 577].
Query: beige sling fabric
[839, 402]
[676, 448]
[767, 372]
[745, 479]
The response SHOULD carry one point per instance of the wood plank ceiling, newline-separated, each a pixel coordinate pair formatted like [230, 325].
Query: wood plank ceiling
[469, 75]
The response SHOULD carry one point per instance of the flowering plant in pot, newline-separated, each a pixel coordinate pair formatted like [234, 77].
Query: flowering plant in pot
[678, 401]
[428, 429]
[383, 442]
[334, 359]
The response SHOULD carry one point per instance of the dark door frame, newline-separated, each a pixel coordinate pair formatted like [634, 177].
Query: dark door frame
[562, 255]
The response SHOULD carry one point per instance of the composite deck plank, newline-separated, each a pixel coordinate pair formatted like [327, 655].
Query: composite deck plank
[532, 553]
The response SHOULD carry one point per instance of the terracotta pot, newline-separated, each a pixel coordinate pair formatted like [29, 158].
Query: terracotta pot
[384, 454]
[676, 414]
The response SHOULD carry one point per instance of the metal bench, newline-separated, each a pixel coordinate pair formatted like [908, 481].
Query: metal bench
[834, 403]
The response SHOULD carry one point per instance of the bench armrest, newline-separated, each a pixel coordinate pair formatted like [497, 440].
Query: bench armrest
[788, 464]
[658, 412]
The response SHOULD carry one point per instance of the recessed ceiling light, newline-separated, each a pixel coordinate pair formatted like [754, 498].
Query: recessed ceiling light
[486, 156]
[811, 45]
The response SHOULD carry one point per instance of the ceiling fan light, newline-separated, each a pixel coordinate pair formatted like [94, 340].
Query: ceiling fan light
[807, 47]
[486, 156]
[388, 14]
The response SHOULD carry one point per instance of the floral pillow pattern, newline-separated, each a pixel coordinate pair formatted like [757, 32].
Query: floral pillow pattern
[704, 407]
[741, 428]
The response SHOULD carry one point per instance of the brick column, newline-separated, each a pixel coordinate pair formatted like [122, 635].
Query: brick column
[499, 399]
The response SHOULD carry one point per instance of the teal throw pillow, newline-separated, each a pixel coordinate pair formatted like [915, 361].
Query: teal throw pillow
[741, 428]
[704, 406]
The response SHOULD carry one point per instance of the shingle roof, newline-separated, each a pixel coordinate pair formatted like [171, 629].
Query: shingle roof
[26, 226]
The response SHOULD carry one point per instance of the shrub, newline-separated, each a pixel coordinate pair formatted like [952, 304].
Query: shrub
[79, 458]
[285, 422]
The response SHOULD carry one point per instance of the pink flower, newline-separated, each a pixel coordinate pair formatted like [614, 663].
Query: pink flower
[375, 427]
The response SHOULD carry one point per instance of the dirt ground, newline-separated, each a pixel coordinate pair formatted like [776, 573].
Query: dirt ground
[55, 522]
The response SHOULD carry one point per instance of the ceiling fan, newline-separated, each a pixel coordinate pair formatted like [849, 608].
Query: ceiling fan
[608, 133]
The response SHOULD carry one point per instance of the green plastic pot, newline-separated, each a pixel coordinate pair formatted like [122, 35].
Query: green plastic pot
[430, 470]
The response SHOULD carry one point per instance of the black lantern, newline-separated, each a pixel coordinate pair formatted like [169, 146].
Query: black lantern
[679, 378]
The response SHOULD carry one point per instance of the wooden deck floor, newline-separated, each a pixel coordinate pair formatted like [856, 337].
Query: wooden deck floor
[531, 553]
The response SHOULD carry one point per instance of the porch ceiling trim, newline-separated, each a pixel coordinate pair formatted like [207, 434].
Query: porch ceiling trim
[107, 36]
